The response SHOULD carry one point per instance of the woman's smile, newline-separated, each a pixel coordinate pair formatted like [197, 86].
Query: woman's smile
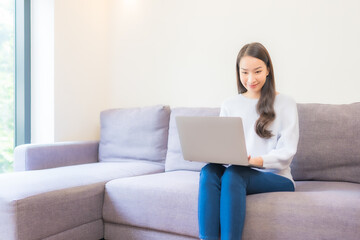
[253, 85]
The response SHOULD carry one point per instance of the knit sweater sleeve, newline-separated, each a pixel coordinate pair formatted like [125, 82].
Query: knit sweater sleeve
[281, 156]
[223, 111]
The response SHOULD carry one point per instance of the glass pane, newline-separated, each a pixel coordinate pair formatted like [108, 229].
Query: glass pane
[7, 53]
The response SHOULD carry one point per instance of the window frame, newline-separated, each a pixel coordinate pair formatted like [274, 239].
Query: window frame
[22, 125]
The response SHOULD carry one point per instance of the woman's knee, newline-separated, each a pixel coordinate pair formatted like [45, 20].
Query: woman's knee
[212, 171]
[236, 174]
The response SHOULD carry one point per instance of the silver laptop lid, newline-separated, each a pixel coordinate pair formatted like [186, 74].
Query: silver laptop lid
[212, 139]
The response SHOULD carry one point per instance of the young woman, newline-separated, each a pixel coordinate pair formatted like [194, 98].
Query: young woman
[271, 131]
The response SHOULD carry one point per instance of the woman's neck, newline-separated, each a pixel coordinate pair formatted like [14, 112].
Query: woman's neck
[252, 95]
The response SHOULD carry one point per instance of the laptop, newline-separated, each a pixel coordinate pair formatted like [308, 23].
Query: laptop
[213, 140]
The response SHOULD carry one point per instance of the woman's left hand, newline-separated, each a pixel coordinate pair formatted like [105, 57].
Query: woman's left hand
[257, 161]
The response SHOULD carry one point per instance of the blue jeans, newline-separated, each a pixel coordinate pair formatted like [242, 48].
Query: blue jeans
[222, 198]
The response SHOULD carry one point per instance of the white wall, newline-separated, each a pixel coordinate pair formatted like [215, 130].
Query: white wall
[42, 71]
[183, 52]
[70, 68]
[126, 53]
[81, 67]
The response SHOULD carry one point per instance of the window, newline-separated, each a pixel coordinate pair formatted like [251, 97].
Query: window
[7, 69]
[14, 78]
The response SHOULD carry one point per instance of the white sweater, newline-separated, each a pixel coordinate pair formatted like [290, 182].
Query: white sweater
[277, 151]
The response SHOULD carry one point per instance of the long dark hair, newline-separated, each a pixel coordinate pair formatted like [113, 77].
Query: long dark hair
[265, 105]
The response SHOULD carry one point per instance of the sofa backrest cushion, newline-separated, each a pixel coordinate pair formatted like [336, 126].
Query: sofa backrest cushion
[174, 158]
[329, 144]
[134, 134]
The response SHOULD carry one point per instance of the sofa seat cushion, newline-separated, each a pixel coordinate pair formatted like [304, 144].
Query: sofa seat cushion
[38, 204]
[168, 202]
[165, 202]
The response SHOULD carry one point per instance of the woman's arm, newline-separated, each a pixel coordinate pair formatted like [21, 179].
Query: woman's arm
[282, 155]
[223, 111]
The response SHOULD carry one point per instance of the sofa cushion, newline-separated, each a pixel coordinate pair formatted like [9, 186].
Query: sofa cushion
[125, 232]
[93, 230]
[165, 202]
[168, 202]
[43, 203]
[134, 133]
[329, 144]
[174, 157]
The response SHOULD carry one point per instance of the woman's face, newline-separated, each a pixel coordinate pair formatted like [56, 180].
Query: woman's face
[253, 72]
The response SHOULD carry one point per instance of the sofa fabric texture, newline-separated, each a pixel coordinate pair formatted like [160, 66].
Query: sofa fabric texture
[329, 144]
[125, 232]
[92, 230]
[174, 158]
[167, 202]
[36, 156]
[42, 203]
[134, 134]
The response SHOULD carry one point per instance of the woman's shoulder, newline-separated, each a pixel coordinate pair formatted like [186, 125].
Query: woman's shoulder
[237, 99]
[284, 99]
[284, 103]
[229, 100]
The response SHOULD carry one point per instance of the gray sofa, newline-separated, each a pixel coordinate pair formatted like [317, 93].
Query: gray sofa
[134, 183]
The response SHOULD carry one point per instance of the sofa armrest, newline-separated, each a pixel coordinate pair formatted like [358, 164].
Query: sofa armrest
[43, 156]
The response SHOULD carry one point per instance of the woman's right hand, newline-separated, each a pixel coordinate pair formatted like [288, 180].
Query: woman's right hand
[257, 161]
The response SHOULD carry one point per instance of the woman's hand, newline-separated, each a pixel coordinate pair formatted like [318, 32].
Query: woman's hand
[257, 161]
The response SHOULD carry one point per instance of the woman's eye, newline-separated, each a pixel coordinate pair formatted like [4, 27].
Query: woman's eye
[244, 72]
[258, 71]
